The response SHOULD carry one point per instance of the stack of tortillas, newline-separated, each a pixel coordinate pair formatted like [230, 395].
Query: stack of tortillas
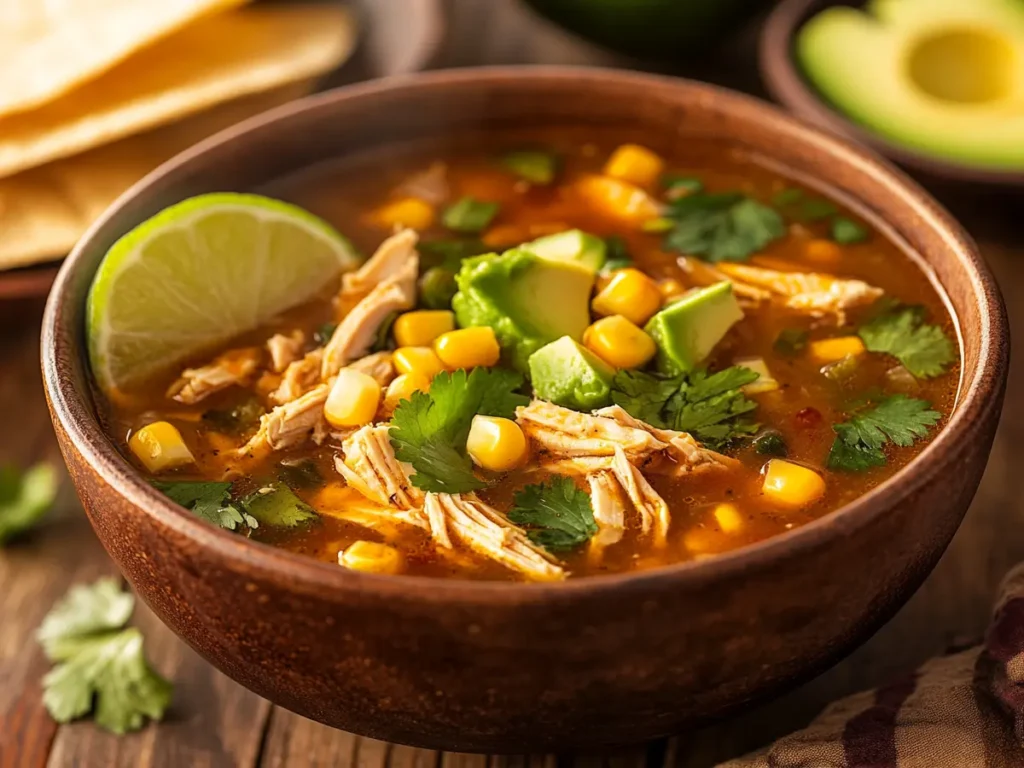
[93, 94]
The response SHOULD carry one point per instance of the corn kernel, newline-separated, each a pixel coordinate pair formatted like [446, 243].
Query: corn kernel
[765, 381]
[629, 293]
[403, 387]
[407, 212]
[421, 360]
[372, 557]
[419, 329]
[619, 343]
[728, 517]
[823, 251]
[832, 350]
[617, 198]
[791, 485]
[353, 399]
[468, 348]
[496, 444]
[160, 446]
[670, 289]
[635, 164]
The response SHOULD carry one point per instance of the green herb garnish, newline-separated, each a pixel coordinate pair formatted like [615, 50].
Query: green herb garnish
[469, 215]
[448, 254]
[847, 231]
[557, 514]
[771, 443]
[617, 254]
[429, 430]
[722, 227]
[709, 407]
[791, 342]
[24, 498]
[323, 334]
[923, 349]
[276, 505]
[676, 184]
[535, 166]
[438, 288]
[897, 419]
[210, 501]
[100, 664]
[237, 418]
[382, 340]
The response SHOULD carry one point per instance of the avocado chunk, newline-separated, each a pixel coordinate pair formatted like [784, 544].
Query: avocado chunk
[688, 329]
[939, 77]
[568, 374]
[527, 300]
[571, 245]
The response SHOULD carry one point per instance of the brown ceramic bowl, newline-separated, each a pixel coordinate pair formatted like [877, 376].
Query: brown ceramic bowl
[787, 85]
[515, 667]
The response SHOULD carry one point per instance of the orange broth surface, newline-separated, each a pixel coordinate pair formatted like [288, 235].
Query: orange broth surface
[803, 409]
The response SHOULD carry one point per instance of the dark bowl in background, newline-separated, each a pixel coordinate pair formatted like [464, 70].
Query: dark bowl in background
[788, 85]
[658, 30]
[503, 667]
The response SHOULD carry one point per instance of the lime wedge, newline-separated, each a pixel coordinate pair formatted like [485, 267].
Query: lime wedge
[198, 274]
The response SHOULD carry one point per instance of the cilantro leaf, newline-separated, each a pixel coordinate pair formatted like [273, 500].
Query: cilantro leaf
[923, 349]
[558, 515]
[276, 504]
[469, 215]
[100, 665]
[429, 430]
[846, 231]
[722, 227]
[791, 342]
[679, 184]
[24, 498]
[448, 254]
[535, 166]
[897, 419]
[709, 407]
[210, 501]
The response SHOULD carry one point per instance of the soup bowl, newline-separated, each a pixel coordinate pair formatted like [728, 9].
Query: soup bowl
[507, 666]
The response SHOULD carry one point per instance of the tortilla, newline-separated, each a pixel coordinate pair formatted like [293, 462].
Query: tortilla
[44, 211]
[47, 48]
[214, 60]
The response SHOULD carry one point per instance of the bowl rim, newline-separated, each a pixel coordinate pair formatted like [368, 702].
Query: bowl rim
[74, 413]
[788, 86]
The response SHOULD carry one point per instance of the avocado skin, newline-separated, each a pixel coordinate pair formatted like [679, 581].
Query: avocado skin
[568, 374]
[652, 29]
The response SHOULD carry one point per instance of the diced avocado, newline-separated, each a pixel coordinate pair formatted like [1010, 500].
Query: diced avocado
[688, 329]
[940, 77]
[527, 300]
[571, 245]
[568, 374]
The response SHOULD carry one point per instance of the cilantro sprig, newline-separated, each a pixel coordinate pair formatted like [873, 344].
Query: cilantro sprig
[923, 349]
[429, 430]
[711, 407]
[725, 226]
[100, 665]
[210, 501]
[898, 419]
[24, 498]
[558, 515]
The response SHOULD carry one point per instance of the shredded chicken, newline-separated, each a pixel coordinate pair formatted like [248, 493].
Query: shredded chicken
[609, 510]
[368, 464]
[234, 367]
[430, 185]
[289, 424]
[285, 350]
[378, 365]
[806, 291]
[686, 453]
[564, 432]
[355, 334]
[703, 274]
[467, 520]
[390, 260]
[299, 377]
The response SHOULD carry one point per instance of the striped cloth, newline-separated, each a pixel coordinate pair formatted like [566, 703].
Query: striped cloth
[965, 710]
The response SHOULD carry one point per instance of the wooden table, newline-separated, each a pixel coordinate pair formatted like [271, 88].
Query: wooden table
[215, 722]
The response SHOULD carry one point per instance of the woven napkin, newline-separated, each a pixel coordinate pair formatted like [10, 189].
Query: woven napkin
[965, 710]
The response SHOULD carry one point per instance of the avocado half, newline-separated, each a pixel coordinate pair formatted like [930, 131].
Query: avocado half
[942, 77]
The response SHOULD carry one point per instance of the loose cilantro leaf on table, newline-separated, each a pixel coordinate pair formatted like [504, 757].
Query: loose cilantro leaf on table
[24, 498]
[923, 349]
[722, 227]
[469, 215]
[100, 664]
[710, 407]
[210, 501]
[557, 514]
[897, 419]
[429, 430]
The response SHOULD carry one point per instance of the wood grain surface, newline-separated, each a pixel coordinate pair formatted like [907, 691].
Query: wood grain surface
[214, 722]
